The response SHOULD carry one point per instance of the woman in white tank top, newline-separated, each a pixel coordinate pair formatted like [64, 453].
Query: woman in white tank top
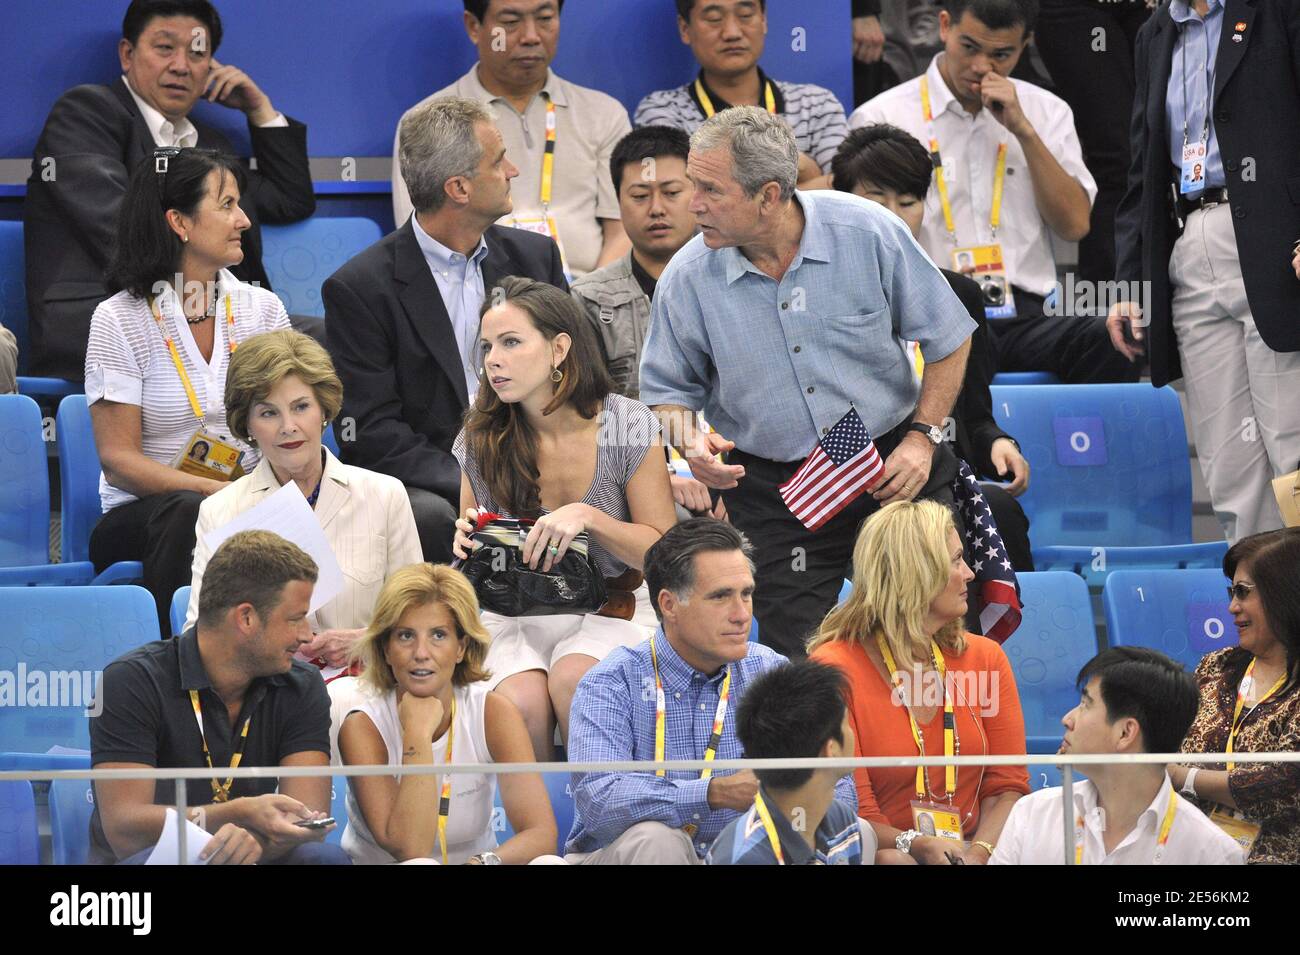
[425, 701]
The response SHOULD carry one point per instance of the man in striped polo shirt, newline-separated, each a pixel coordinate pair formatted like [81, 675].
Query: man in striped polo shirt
[726, 37]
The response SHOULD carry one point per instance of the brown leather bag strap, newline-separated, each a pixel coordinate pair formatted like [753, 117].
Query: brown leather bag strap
[620, 595]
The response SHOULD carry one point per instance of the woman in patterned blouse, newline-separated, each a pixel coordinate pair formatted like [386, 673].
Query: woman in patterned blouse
[1261, 679]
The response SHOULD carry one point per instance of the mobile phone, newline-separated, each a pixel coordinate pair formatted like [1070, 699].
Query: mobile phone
[315, 823]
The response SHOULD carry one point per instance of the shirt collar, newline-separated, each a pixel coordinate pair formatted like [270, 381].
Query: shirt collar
[719, 104]
[1180, 11]
[263, 477]
[553, 88]
[812, 244]
[163, 130]
[793, 848]
[1085, 801]
[941, 97]
[438, 255]
[194, 676]
[676, 672]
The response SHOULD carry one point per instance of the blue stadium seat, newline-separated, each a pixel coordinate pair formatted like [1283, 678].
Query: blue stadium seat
[330, 441]
[300, 257]
[25, 502]
[559, 787]
[1182, 613]
[180, 604]
[34, 762]
[79, 480]
[1044, 776]
[61, 638]
[338, 808]
[19, 838]
[13, 311]
[1056, 637]
[71, 803]
[1111, 486]
[1025, 378]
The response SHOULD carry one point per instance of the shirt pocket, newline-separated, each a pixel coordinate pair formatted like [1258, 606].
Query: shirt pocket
[362, 558]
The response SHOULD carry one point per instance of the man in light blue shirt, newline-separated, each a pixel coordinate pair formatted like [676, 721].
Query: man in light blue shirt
[701, 583]
[786, 311]
[460, 280]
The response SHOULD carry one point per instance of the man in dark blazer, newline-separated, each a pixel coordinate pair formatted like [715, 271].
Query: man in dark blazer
[401, 318]
[1206, 231]
[96, 136]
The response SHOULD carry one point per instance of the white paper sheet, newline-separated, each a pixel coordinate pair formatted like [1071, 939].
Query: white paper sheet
[287, 513]
[167, 851]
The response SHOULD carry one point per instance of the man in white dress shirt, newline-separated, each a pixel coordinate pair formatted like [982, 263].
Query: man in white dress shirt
[1132, 700]
[1012, 177]
[571, 197]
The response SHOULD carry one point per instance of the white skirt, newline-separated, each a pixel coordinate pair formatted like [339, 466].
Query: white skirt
[520, 644]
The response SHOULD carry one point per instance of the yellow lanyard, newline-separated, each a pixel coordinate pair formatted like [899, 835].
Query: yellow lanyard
[769, 98]
[444, 799]
[1237, 718]
[176, 357]
[949, 721]
[1161, 840]
[548, 156]
[661, 710]
[999, 171]
[220, 793]
[769, 827]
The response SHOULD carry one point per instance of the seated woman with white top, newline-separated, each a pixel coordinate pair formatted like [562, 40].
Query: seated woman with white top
[547, 440]
[281, 393]
[425, 701]
[156, 362]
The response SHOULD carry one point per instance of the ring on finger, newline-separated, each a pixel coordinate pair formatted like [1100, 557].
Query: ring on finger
[552, 549]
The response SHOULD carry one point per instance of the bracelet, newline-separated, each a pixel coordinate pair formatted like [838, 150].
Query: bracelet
[987, 847]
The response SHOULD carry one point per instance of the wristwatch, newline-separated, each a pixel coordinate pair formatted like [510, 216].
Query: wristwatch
[930, 431]
[486, 858]
[1189, 783]
[903, 841]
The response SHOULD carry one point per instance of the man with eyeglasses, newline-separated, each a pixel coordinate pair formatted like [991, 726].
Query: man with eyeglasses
[96, 135]
[726, 38]
[560, 135]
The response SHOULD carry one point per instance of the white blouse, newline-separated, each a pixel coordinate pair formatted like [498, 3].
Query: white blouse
[127, 361]
[365, 516]
[469, 818]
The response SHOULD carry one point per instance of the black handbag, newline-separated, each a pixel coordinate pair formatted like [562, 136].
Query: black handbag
[508, 586]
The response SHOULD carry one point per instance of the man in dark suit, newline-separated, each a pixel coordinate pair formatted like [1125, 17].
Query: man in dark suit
[1208, 226]
[96, 136]
[401, 318]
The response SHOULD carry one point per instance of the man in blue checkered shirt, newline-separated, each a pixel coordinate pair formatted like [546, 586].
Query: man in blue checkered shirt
[700, 577]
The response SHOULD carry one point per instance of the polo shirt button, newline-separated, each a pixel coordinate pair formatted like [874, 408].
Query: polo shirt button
[784, 306]
[798, 349]
[811, 389]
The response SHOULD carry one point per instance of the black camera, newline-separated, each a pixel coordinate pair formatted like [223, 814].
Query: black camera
[994, 290]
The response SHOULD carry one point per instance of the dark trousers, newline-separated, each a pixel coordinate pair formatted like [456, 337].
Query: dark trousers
[1099, 85]
[159, 531]
[800, 572]
[435, 522]
[1076, 348]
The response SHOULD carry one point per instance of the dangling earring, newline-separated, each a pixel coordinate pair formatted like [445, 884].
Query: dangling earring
[557, 376]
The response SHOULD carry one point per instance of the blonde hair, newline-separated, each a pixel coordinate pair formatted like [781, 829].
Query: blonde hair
[900, 565]
[263, 361]
[417, 586]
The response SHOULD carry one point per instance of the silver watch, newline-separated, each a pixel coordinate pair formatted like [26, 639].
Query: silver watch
[903, 841]
[488, 858]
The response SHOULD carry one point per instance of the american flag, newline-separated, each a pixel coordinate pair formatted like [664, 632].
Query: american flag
[843, 465]
[998, 594]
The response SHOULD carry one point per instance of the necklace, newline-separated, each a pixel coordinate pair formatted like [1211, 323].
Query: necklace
[212, 310]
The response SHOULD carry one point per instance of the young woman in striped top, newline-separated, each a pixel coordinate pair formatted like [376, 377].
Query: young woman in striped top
[546, 440]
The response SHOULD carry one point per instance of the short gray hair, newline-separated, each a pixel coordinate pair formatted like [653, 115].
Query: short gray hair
[439, 141]
[670, 562]
[762, 148]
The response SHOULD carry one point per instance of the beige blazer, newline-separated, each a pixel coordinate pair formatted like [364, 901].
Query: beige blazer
[366, 518]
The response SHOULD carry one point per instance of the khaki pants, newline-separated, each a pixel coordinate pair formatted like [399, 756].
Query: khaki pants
[646, 843]
[1243, 398]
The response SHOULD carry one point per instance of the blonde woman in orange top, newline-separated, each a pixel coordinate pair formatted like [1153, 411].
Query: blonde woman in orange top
[901, 627]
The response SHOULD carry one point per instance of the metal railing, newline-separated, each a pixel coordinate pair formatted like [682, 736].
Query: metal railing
[1066, 762]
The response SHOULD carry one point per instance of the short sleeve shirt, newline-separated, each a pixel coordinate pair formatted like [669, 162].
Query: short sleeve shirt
[128, 362]
[147, 718]
[627, 430]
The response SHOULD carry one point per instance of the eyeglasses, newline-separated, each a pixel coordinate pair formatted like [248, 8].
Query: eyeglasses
[1240, 591]
[162, 157]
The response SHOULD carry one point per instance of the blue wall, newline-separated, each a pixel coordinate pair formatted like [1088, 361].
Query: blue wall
[349, 68]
